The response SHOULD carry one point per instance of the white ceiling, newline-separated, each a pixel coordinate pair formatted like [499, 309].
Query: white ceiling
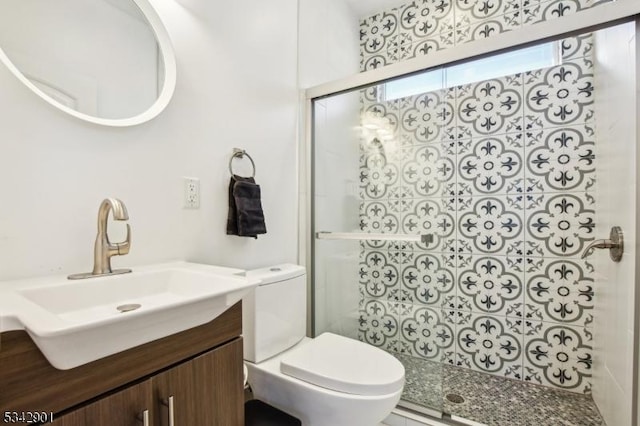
[363, 8]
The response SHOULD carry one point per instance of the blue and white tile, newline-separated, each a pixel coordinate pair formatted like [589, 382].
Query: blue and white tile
[368, 97]
[490, 344]
[427, 330]
[548, 291]
[488, 28]
[381, 216]
[560, 224]
[544, 175]
[577, 47]
[457, 313]
[535, 11]
[428, 117]
[404, 259]
[378, 323]
[372, 101]
[379, 144]
[429, 170]
[428, 279]
[491, 165]
[559, 96]
[469, 12]
[493, 285]
[422, 19]
[399, 40]
[376, 32]
[490, 225]
[398, 53]
[385, 245]
[435, 216]
[560, 290]
[558, 355]
[574, 141]
[379, 175]
[460, 307]
[561, 159]
[490, 107]
[430, 45]
[372, 62]
[378, 115]
[379, 275]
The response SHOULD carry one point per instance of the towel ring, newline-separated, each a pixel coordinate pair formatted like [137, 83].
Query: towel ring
[240, 153]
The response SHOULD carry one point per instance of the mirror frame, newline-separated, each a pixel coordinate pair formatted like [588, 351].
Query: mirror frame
[168, 60]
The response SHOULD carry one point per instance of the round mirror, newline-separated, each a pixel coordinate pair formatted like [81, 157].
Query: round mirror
[109, 62]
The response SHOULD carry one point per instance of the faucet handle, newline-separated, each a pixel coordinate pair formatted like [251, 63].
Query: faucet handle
[125, 246]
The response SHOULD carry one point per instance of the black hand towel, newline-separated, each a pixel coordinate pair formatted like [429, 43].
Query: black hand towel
[232, 218]
[246, 218]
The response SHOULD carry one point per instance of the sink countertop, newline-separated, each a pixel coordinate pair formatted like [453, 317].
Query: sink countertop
[12, 304]
[77, 321]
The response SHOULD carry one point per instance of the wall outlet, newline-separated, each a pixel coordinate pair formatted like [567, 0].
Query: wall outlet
[191, 193]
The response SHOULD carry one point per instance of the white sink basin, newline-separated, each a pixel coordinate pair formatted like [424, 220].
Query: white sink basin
[76, 322]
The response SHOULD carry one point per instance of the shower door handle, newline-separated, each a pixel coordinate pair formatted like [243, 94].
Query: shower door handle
[368, 236]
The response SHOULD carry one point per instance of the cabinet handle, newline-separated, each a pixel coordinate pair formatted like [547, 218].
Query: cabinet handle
[169, 403]
[144, 417]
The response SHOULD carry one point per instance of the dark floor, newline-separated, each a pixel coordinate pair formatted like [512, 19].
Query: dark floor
[493, 400]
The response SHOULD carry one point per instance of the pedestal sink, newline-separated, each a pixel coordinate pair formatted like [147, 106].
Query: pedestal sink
[76, 322]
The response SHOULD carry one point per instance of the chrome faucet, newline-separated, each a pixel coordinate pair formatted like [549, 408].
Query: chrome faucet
[104, 249]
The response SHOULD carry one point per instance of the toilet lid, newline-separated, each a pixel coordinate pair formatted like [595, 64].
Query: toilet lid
[344, 365]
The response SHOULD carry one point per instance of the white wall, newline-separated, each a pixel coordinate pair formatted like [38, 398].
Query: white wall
[329, 41]
[615, 72]
[236, 87]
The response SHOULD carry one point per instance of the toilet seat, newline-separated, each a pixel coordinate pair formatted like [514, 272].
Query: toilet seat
[344, 365]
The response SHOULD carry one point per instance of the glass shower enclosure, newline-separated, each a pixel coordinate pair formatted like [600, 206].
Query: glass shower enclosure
[451, 208]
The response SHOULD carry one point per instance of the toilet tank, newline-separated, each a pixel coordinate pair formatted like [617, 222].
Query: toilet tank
[274, 314]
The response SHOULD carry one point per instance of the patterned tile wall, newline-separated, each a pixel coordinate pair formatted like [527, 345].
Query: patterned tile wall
[501, 172]
[425, 26]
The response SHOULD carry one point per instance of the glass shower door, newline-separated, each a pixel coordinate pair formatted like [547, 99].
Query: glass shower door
[336, 204]
[376, 274]
[451, 210]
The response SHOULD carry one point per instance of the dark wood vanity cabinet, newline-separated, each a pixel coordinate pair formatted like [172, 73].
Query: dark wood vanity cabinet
[124, 408]
[194, 376]
[204, 391]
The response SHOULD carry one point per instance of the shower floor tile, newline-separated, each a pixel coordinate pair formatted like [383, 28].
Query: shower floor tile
[493, 400]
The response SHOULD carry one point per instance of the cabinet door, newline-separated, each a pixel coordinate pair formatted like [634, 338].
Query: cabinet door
[173, 393]
[124, 408]
[218, 381]
[206, 391]
[74, 418]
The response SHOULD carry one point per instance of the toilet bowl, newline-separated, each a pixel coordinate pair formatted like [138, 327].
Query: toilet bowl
[335, 393]
[327, 381]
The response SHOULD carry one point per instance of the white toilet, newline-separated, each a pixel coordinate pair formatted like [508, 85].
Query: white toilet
[327, 381]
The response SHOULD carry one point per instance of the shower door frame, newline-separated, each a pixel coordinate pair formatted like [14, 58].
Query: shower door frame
[597, 18]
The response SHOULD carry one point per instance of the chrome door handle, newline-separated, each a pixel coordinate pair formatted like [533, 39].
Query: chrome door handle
[169, 403]
[615, 244]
